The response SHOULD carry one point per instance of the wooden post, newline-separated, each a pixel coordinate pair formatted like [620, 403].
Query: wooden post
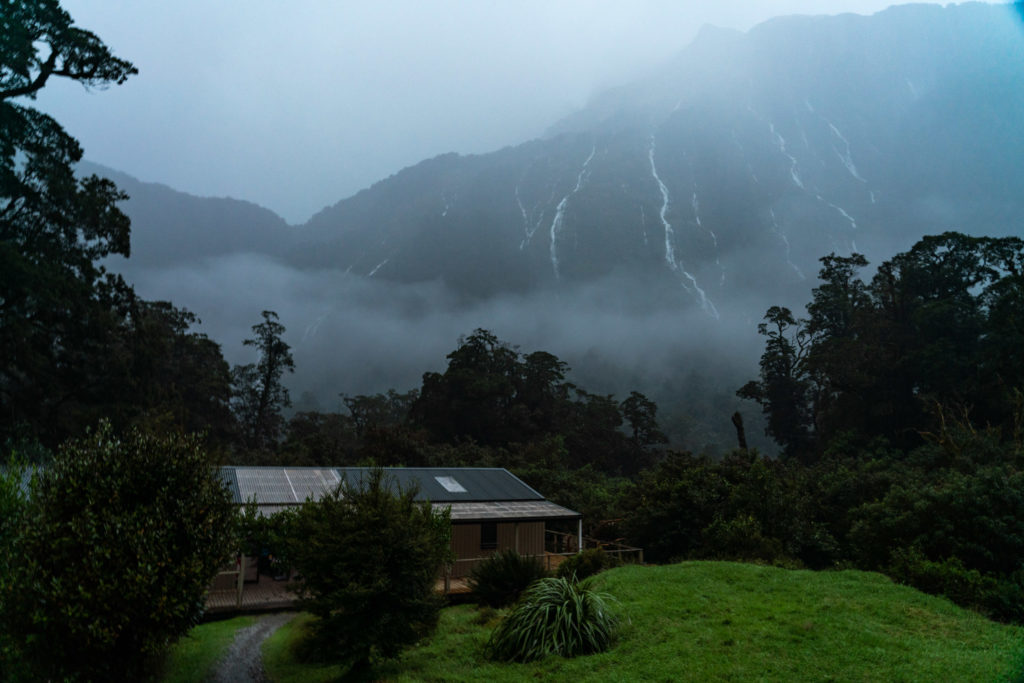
[241, 579]
[579, 535]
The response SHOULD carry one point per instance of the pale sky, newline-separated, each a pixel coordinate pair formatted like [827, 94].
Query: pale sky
[298, 105]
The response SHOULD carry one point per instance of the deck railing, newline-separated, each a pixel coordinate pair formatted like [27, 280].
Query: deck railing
[557, 547]
[562, 543]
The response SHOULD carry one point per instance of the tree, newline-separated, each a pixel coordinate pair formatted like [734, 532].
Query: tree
[370, 555]
[123, 535]
[475, 395]
[58, 305]
[259, 395]
[783, 390]
[170, 377]
[642, 415]
[380, 410]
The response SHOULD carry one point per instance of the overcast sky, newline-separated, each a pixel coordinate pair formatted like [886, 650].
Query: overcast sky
[296, 105]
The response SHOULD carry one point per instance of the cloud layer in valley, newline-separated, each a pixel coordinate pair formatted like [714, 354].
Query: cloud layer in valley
[353, 335]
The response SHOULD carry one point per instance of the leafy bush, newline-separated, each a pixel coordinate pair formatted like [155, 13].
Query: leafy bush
[500, 579]
[369, 555]
[554, 617]
[1001, 597]
[12, 510]
[122, 536]
[585, 564]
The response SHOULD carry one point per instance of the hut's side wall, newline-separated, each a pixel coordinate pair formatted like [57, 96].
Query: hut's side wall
[466, 543]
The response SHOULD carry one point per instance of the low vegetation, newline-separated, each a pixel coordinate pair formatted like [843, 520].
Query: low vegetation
[586, 564]
[554, 616]
[499, 580]
[703, 621]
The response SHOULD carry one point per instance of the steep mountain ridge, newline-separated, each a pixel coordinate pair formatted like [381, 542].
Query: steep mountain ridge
[171, 227]
[729, 172]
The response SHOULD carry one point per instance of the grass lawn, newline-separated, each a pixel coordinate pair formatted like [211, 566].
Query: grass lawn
[194, 657]
[725, 621]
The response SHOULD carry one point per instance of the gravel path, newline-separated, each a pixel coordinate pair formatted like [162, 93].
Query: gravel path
[243, 663]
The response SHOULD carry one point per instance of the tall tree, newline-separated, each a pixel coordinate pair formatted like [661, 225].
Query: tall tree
[259, 395]
[642, 415]
[784, 388]
[58, 306]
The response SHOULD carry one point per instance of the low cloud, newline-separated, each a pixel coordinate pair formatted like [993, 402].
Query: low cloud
[355, 335]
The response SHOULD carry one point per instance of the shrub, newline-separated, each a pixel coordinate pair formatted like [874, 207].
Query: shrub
[12, 510]
[122, 536]
[555, 616]
[585, 564]
[500, 579]
[370, 556]
[1000, 597]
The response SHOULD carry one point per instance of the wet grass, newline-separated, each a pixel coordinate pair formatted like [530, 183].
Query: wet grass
[700, 621]
[194, 657]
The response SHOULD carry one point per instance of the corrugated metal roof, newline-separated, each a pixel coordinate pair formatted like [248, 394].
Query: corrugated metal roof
[230, 479]
[510, 511]
[288, 486]
[279, 485]
[516, 510]
[480, 483]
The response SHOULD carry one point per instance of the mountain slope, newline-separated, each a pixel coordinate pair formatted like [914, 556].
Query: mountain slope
[171, 227]
[728, 173]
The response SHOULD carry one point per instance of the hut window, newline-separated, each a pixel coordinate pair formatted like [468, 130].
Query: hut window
[489, 536]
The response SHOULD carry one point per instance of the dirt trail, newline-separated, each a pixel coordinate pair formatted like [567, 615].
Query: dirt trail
[242, 663]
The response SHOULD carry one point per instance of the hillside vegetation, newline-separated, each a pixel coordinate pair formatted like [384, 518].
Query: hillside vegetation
[726, 621]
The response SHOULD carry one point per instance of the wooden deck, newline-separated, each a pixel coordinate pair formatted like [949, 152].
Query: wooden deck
[263, 596]
[267, 594]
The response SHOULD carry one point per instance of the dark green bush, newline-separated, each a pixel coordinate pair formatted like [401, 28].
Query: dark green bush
[500, 579]
[585, 564]
[369, 554]
[555, 616]
[122, 535]
[1000, 597]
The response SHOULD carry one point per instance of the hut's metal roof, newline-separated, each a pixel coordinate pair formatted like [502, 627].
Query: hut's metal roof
[453, 484]
[510, 511]
[290, 485]
[279, 485]
[472, 493]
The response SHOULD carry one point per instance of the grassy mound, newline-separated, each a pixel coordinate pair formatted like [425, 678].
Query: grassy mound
[724, 621]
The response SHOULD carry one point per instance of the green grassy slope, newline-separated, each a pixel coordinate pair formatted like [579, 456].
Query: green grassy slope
[724, 621]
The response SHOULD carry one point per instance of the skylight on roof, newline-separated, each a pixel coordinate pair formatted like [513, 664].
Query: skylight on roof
[451, 485]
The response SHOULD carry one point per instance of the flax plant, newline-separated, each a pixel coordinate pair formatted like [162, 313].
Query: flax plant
[555, 616]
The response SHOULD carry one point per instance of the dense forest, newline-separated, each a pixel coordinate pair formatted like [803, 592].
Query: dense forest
[897, 402]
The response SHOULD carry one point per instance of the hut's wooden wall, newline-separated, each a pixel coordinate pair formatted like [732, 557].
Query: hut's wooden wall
[466, 542]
